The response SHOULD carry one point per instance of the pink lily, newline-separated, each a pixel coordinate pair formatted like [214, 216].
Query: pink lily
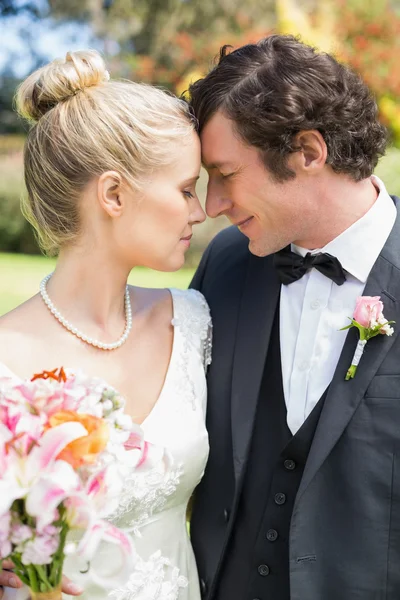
[109, 554]
[20, 473]
[109, 568]
[142, 455]
[99, 497]
[50, 489]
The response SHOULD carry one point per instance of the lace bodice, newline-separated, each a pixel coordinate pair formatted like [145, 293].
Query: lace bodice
[146, 494]
[153, 504]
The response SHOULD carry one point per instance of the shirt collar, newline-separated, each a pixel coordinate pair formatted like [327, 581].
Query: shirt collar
[358, 247]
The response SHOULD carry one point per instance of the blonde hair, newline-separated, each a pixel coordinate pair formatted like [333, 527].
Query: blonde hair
[83, 125]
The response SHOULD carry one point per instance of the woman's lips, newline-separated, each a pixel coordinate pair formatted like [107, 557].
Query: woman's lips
[186, 241]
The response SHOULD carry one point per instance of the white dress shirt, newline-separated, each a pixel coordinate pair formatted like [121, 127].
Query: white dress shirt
[313, 309]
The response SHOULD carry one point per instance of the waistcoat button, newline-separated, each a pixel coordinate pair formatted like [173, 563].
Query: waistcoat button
[272, 535]
[289, 464]
[263, 570]
[280, 498]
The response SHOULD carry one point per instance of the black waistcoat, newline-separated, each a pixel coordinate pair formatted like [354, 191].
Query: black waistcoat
[256, 566]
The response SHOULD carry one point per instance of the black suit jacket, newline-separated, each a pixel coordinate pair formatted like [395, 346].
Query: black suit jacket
[345, 527]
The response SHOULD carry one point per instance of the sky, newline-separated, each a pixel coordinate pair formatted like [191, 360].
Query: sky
[50, 41]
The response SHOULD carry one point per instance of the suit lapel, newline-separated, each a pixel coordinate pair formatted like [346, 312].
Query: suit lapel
[344, 397]
[256, 315]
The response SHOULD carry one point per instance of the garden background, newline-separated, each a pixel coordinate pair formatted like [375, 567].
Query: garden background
[171, 43]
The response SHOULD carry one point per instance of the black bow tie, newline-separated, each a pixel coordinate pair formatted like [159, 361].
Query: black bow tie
[291, 266]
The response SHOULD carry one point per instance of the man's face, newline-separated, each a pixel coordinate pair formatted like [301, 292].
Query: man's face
[241, 188]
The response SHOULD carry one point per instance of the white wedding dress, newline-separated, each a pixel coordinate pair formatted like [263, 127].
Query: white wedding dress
[153, 504]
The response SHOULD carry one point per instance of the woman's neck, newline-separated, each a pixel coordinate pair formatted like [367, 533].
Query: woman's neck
[89, 290]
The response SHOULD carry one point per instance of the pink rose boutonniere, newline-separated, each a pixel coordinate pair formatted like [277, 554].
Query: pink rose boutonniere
[369, 320]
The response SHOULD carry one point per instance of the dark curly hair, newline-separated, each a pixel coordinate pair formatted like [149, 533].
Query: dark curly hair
[280, 86]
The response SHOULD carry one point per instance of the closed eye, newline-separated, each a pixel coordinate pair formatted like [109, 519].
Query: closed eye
[188, 194]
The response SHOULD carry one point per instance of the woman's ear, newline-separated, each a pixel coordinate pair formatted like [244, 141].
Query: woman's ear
[109, 193]
[312, 152]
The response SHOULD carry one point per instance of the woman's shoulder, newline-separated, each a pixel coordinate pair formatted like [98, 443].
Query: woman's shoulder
[21, 318]
[171, 302]
[18, 329]
[186, 310]
[152, 305]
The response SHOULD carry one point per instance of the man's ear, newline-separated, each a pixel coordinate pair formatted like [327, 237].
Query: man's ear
[109, 193]
[311, 152]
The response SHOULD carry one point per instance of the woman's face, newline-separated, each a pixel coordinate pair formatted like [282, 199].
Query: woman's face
[155, 228]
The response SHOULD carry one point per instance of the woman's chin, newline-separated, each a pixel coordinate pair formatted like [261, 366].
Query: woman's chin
[176, 266]
[171, 265]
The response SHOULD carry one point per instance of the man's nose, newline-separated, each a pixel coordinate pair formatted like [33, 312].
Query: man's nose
[216, 202]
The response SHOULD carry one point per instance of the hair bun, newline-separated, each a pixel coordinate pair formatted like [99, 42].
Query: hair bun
[59, 80]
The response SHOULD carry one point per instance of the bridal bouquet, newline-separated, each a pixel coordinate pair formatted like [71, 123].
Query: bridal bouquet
[64, 441]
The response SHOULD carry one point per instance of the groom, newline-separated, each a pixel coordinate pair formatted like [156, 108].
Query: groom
[301, 496]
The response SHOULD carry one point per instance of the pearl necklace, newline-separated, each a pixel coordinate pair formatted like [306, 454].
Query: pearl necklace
[79, 334]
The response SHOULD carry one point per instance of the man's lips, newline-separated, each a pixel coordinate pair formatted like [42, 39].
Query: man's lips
[243, 222]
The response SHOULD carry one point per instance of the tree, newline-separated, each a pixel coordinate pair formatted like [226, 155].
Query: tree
[30, 13]
[163, 41]
[9, 8]
[369, 31]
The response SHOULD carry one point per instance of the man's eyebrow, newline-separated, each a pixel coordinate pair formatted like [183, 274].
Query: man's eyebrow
[215, 165]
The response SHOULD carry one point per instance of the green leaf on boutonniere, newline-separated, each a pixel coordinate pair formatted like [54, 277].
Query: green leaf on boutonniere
[360, 328]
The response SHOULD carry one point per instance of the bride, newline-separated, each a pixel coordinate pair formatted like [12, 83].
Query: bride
[111, 170]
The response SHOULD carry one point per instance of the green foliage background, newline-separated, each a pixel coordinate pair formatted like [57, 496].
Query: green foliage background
[169, 43]
[21, 275]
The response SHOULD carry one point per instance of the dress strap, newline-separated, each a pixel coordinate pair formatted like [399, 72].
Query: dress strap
[192, 317]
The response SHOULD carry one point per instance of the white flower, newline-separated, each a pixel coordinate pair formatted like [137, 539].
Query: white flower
[386, 329]
[124, 421]
[40, 550]
[107, 405]
[20, 533]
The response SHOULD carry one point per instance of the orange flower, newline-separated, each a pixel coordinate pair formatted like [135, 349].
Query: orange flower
[84, 450]
[56, 374]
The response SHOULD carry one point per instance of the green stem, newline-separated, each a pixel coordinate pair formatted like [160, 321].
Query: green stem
[56, 566]
[42, 572]
[20, 569]
[33, 581]
[351, 372]
[54, 576]
[22, 576]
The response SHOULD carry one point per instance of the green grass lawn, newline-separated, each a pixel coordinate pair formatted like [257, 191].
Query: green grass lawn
[20, 277]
